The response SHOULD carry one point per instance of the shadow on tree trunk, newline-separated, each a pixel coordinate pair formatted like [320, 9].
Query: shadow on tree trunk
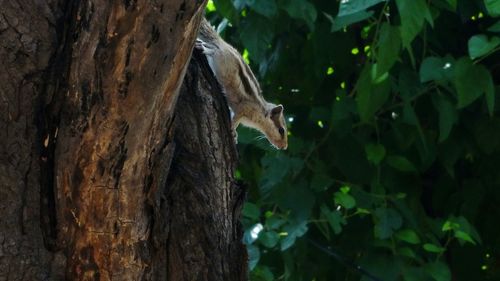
[203, 202]
[106, 171]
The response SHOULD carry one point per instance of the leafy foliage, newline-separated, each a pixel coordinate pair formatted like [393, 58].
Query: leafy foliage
[394, 135]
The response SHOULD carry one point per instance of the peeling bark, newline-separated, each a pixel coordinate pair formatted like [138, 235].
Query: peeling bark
[103, 176]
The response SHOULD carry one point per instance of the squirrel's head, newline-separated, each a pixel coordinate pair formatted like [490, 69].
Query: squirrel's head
[276, 132]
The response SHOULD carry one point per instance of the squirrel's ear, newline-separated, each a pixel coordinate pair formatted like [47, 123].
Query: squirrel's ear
[277, 109]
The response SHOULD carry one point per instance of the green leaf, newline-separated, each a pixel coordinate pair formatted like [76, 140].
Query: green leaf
[408, 236]
[226, 8]
[453, 4]
[362, 211]
[352, 7]
[274, 222]
[256, 35]
[335, 219]
[253, 256]
[251, 211]
[433, 248]
[269, 238]
[276, 168]
[401, 163]
[370, 95]
[387, 220]
[299, 202]
[345, 189]
[262, 273]
[340, 22]
[375, 153]
[436, 69]
[267, 8]
[471, 81]
[461, 235]
[301, 9]
[493, 7]
[480, 45]
[407, 252]
[495, 27]
[412, 14]
[462, 229]
[210, 6]
[448, 115]
[449, 225]
[293, 230]
[388, 48]
[438, 270]
[345, 200]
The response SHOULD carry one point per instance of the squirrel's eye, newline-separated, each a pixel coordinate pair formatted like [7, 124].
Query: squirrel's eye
[282, 131]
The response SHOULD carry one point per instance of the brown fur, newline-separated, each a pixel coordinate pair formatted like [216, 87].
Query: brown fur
[242, 88]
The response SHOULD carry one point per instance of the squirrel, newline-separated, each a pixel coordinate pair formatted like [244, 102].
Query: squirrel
[241, 88]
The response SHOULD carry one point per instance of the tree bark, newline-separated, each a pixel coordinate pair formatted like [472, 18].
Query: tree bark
[105, 174]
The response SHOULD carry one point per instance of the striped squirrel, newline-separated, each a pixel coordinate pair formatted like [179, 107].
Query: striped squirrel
[241, 88]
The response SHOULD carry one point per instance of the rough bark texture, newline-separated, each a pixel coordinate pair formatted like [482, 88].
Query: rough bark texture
[27, 43]
[199, 194]
[102, 177]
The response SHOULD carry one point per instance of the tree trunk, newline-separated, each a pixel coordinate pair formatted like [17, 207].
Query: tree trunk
[105, 174]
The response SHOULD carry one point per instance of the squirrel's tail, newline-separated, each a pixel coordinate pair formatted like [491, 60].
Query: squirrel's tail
[207, 32]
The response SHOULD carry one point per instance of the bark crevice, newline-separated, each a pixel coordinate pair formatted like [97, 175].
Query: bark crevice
[100, 177]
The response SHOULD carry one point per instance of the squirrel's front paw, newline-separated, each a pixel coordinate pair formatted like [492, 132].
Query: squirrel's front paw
[204, 47]
[198, 44]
